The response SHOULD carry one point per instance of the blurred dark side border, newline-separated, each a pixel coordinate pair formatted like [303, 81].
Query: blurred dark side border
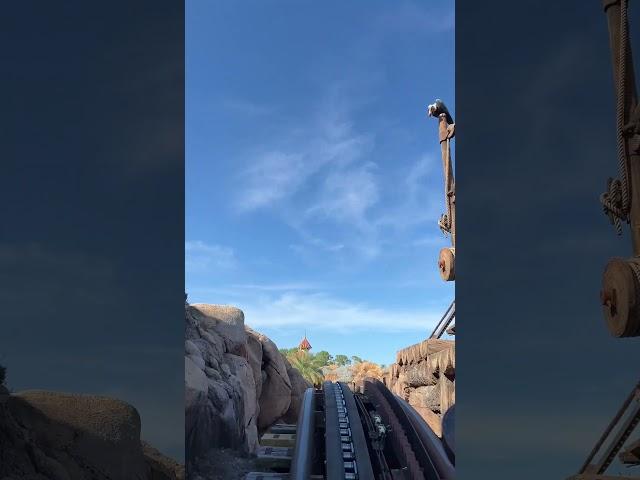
[539, 377]
[92, 204]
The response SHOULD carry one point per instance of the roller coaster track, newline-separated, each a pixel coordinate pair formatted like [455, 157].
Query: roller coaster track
[443, 325]
[367, 435]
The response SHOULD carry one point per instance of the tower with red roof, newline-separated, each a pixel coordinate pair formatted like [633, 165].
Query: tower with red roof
[304, 345]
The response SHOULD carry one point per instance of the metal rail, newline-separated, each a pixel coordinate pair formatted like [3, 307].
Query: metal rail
[304, 449]
[445, 321]
[630, 407]
[434, 447]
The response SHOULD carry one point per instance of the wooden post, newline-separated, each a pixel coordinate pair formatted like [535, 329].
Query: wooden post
[446, 132]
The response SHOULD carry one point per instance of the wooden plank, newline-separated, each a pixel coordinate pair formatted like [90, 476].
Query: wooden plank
[278, 440]
[283, 428]
[275, 476]
[447, 393]
[274, 457]
[266, 476]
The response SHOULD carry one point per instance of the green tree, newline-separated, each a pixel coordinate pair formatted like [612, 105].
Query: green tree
[286, 352]
[356, 359]
[308, 367]
[323, 358]
[3, 374]
[342, 360]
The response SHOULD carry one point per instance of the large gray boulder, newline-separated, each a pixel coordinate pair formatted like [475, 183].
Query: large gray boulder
[298, 386]
[254, 356]
[275, 397]
[237, 383]
[242, 380]
[220, 392]
[225, 321]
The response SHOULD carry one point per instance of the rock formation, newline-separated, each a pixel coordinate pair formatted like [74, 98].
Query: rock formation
[237, 383]
[59, 436]
[424, 375]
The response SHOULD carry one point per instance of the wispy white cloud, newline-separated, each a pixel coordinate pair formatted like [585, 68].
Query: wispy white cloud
[346, 195]
[325, 312]
[322, 174]
[201, 256]
[418, 204]
[276, 287]
[277, 173]
[273, 176]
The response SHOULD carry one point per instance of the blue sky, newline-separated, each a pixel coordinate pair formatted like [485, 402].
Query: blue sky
[313, 175]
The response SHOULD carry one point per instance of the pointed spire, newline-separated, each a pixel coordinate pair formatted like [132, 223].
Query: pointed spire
[304, 344]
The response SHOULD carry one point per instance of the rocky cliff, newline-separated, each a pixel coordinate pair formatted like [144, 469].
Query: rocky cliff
[424, 375]
[60, 436]
[237, 383]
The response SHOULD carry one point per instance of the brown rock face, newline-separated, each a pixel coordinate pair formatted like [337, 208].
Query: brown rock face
[424, 375]
[59, 436]
[254, 356]
[84, 425]
[298, 386]
[160, 466]
[275, 395]
[426, 396]
[236, 382]
[220, 392]
[433, 420]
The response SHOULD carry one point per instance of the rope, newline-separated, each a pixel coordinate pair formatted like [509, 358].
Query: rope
[612, 204]
[445, 222]
[635, 266]
[615, 201]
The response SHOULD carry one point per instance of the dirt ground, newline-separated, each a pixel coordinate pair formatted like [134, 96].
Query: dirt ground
[223, 464]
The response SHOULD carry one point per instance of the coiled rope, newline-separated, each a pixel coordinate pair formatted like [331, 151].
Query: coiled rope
[615, 201]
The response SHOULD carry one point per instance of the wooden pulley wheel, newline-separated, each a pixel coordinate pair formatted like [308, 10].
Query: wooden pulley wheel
[446, 264]
[619, 298]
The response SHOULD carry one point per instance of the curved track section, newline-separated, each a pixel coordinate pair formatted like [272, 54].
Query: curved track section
[405, 442]
[375, 435]
[436, 449]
